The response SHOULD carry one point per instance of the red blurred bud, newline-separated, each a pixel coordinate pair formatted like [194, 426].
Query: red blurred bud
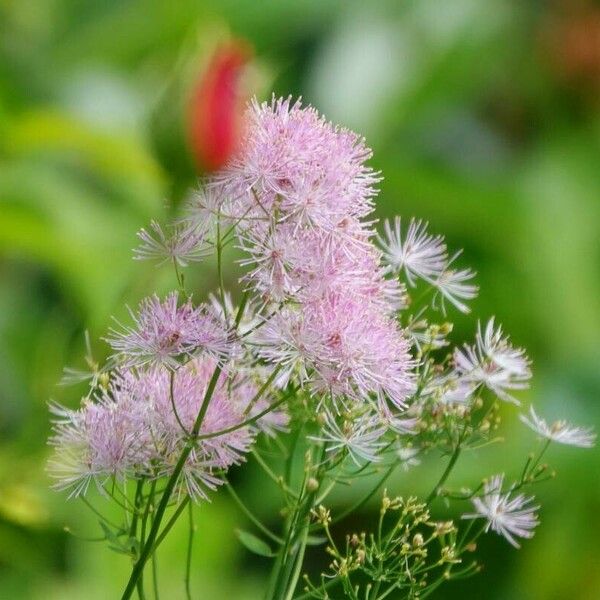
[217, 105]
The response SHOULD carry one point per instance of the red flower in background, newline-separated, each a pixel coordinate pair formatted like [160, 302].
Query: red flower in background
[217, 104]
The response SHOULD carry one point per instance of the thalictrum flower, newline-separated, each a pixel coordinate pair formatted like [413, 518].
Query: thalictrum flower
[494, 363]
[183, 245]
[560, 431]
[359, 435]
[508, 515]
[165, 331]
[418, 254]
[453, 285]
[143, 420]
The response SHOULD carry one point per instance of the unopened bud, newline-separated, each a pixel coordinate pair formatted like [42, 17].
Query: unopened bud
[103, 380]
[312, 485]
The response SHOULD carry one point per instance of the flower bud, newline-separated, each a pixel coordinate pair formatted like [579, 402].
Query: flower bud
[312, 485]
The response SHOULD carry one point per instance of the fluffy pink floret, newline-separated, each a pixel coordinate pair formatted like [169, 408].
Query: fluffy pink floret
[301, 165]
[342, 346]
[164, 331]
[305, 190]
[137, 427]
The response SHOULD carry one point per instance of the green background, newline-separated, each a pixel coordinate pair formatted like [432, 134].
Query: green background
[484, 118]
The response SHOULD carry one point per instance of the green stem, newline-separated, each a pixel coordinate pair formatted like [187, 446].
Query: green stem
[170, 486]
[288, 568]
[133, 530]
[172, 398]
[220, 269]
[250, 421]
[149, 503]
[251, 515]
[323, 587]
[436, 490]
[188, 566]
[98, 513]
[298, 560]
[261, 391]
[155, 575]
[171, 522]
[364, 500]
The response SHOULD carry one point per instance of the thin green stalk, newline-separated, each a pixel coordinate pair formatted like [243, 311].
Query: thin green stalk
[133, 530]
[250, 421]
[325, 586]
[170, 486]
[364, 500]
[149, 506]
[297, 532]
[241, 309]
[280, 563]
[220, 270]
[298, 560]
[171, 522]
[278, 480]
[172, 398]
[188, 566]
[287, 560]
[436, 490]
[251, 515]
[290, 458]
[179, 277]
[98, 513]
[262, 390]
[155, 575]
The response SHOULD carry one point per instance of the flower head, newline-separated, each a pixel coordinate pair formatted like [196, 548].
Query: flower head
[494, 363]
[164, 331]
[360, 435]
[341, 346]
[141, 424]
[452, 285]
[294, 161]
[302, 189]
[101, 440]
[419, 254]
[508, 516]
[408, 456]
[185, 244]
[560, 431]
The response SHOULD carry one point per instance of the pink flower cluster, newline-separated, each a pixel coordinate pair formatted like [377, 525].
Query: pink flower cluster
[164, 331]
[299, 193]
[140, 424]
[298, 197]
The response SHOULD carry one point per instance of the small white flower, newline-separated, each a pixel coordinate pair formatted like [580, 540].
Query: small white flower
[456, 392]
[452, 285]
[509, 517]
[493, 362]
[360, 436]
[184, 245]
[408, 457]
[560, 431]
[419, 254]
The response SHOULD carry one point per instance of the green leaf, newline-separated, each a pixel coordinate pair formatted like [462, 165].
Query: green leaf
[254, 544]
[111, 535]
[129, 546]
[315, 540]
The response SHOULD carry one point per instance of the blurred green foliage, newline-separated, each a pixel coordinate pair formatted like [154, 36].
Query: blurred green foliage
[483, 124]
